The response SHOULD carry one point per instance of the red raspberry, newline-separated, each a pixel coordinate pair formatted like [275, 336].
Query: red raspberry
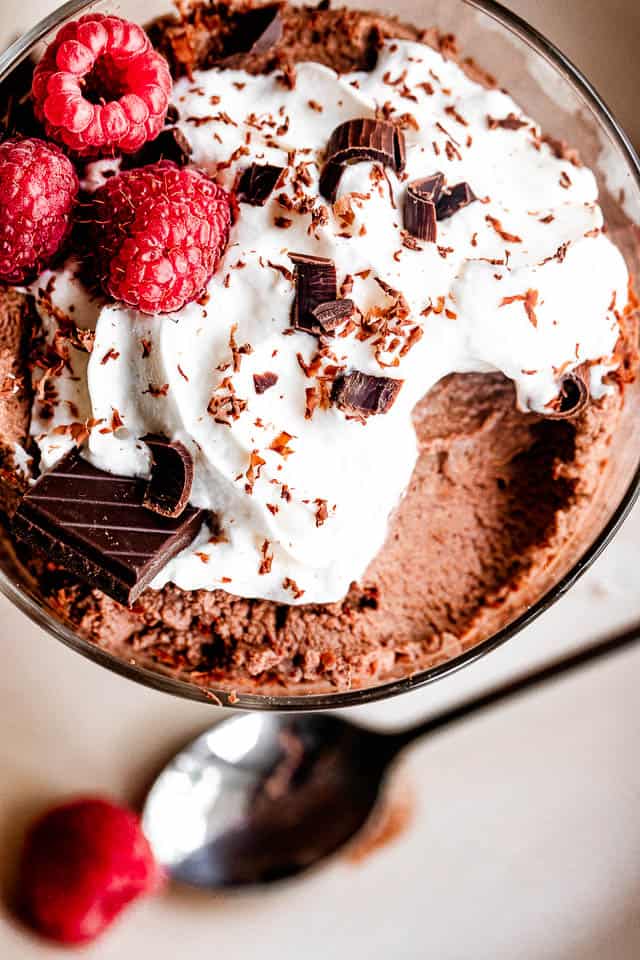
[101, 87]
[38, 191]
[82, 863]
[159, 233]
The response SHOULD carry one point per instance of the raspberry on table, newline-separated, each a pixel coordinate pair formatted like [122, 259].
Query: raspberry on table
[82, 863]
[101, 87]
[38, 192]
[158, 233]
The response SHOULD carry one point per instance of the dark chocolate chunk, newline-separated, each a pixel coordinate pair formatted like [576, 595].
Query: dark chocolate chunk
[454, 199]
[173, 115]
[258, 182]
[331, 314]
[358, 140]
[572, 398]
[420, 215]
[430, 188]
[364, 395]
[257, 31]
[169, 486]
[264, 381]
[94, 525]
[170, 144]
[330, 176]
[315, 284]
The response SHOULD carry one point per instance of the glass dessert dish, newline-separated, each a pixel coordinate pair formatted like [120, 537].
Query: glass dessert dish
[562, 101]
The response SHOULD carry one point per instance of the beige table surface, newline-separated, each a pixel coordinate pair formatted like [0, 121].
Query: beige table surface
[526, 840]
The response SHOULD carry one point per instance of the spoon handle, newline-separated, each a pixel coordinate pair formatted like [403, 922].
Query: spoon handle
[527, 681]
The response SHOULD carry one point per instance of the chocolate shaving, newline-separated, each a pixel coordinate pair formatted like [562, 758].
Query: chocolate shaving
[510, 122]
[454, 199]
[420, 214]
[94, 525]
[364, 395]
[331, 314]
[169, 486]
[263, 381]
[358, 140]
[572, 398]
[315, 284]
[258, 182]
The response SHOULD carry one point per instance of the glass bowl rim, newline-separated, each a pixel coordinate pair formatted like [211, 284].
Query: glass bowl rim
[37, 612]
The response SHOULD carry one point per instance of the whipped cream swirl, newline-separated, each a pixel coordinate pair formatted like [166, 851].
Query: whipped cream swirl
[524, 282]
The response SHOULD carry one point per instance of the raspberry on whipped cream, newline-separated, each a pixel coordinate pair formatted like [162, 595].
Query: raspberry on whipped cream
[159, 233]
[521, 281]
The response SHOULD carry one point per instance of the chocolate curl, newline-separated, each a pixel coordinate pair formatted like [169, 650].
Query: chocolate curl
[572, 398]
[169, 486]
[357, 140]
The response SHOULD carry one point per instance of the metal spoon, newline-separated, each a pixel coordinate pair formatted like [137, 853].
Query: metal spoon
[261, 796]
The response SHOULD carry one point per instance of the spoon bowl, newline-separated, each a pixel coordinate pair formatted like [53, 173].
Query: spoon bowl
[262, 797]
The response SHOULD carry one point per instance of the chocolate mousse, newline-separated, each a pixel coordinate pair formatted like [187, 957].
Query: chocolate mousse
[354, 508]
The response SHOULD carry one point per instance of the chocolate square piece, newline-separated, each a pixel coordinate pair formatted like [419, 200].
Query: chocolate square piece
[94, 525]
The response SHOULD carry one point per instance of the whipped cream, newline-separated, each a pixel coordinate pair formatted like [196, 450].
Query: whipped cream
[523, 282]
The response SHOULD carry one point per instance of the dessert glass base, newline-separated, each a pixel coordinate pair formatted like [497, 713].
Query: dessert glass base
[551, 90]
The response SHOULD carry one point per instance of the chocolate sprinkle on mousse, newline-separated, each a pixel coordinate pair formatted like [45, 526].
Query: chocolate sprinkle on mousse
[358, 140]
[258, 182]
[169, 486]
[364, 395]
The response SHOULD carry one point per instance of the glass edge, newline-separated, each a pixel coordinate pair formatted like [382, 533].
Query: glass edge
[10, 58]
[21, 48]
